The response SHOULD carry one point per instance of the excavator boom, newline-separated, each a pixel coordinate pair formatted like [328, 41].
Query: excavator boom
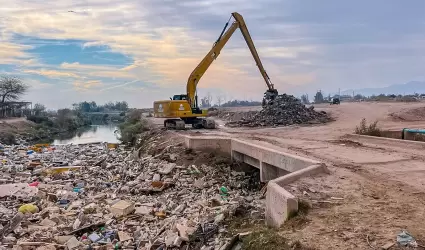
[184, 109]
[224, 37]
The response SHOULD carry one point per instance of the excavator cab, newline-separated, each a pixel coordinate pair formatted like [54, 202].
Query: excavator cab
[180, 97]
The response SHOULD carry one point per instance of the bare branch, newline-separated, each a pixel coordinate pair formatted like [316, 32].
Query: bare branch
[11, 88]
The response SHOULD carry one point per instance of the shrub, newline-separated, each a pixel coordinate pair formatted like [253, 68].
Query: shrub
[365, 129]
[7, 138]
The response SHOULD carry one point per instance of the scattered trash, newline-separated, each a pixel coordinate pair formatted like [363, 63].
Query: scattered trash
[28, 208]
[95, 196]
[405, 239]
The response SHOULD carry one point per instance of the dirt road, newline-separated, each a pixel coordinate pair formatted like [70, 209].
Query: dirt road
[379, 188]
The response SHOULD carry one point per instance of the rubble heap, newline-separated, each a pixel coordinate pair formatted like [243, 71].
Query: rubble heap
[93, 197]
[284, 110]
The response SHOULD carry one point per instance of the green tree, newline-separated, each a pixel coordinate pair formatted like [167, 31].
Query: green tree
[39, 109]
[304, 99]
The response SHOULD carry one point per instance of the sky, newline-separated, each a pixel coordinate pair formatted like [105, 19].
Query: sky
[140, 51]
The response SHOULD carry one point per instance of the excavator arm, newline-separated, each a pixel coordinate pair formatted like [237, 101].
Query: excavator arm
[224, 37]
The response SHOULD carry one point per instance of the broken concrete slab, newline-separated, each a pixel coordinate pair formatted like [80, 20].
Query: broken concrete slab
[123, 236]
[122, 208]
[73, 243]
[21, 190]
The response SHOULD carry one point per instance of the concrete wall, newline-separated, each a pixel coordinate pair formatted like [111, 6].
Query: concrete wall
[272, 163]
[220, 144]
[277, 168]
[386, 141]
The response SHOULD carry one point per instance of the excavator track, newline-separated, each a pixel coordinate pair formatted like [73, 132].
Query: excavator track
[197, 123]
[176, 124]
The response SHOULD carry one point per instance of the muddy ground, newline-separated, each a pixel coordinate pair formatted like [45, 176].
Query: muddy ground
[373, 191]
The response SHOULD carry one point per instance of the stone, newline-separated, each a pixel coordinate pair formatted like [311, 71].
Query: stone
[123, 236]
[143, 210]
[47, 223]
[90, 208]
[73, 243]
[249, 198]
[63, 239]
[177, 241]
[184, 231]
[180, 208]
[167, 169]
[199, 183]
[170, 238]
[156, 177]
[388, 245]
[122, 208]
[219, 218]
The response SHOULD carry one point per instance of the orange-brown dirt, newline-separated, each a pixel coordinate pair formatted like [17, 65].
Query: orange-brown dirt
[373, 191]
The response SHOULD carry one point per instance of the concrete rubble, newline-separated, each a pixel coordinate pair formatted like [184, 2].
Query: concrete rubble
[283, 111]
[93, 197]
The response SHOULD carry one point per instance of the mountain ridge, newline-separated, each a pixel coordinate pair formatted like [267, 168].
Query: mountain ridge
[398, 89]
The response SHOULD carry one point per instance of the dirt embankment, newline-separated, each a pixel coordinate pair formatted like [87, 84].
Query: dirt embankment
[10, 128]
[414, 114]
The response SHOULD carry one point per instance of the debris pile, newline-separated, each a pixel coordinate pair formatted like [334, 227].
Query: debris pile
[283, 111]
[98, 197]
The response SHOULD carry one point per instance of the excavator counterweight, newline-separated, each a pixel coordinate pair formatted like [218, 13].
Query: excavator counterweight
[184, 109]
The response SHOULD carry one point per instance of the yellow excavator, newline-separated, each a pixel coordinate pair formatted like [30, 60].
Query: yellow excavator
[184, 109]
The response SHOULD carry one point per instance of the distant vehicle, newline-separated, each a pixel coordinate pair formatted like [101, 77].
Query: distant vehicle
[335, 101]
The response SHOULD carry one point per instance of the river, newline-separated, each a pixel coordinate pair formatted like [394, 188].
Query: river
[90, 134]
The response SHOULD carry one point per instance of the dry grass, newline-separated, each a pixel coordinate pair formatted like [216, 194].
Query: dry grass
[371, 129]
[270, 239]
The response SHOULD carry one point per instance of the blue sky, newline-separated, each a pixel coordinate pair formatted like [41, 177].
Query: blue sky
[142, 51]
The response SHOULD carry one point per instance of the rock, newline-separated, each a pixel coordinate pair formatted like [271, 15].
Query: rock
[199, 183]
[180, 208]
[62, 239]
[143, 210]
[177, 241]
[388, 246]
[170, 239]
[122, 208]
[184, 231]
[249, 198]
[219, 218]
[156, 177]
[173, 157]
[47, 223]
[123, 236]
[73, 243]
[90, 208]
[167, 169]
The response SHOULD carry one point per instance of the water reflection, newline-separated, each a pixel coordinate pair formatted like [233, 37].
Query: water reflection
[90, 134]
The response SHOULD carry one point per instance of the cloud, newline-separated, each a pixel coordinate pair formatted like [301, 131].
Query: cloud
[86, 85]
[52, 73]
[93, 44]
[118, 85]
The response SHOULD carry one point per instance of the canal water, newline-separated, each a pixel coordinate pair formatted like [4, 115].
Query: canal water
[90, 134]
